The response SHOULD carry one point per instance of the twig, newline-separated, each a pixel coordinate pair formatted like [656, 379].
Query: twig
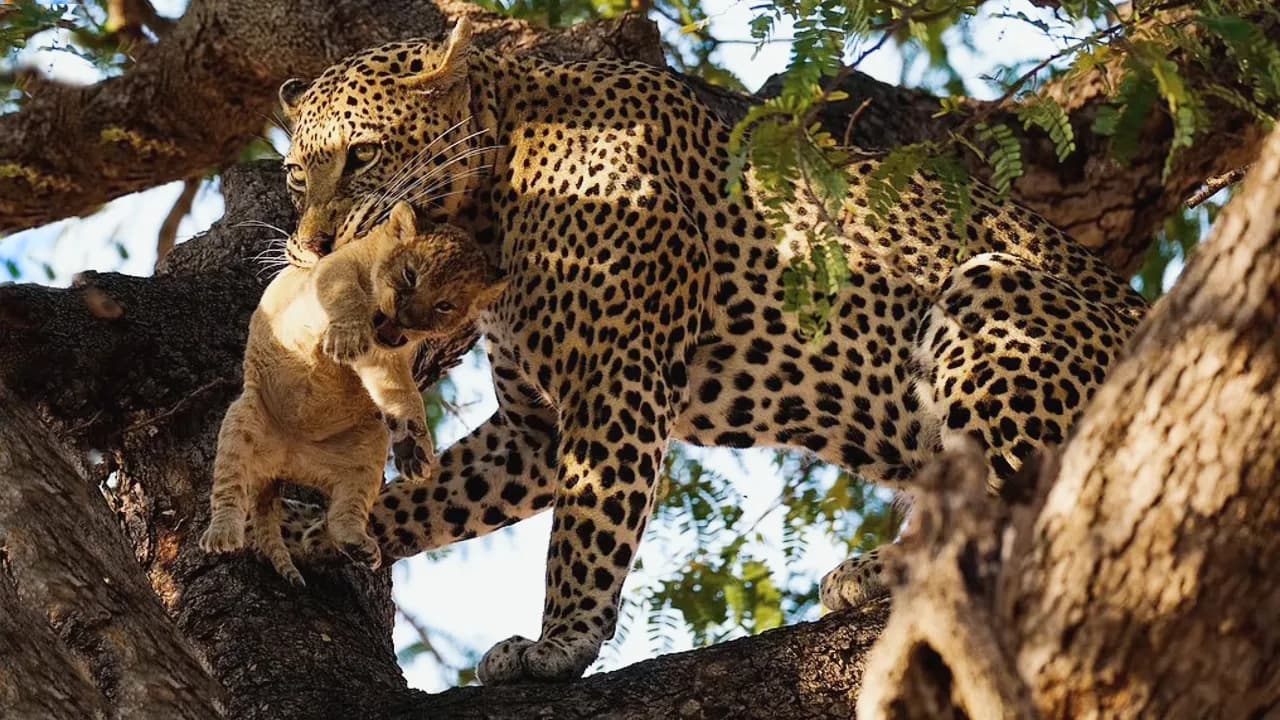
[424, 637]
[1214, 184]
[169, 228]
[176, 407]
[853, 120]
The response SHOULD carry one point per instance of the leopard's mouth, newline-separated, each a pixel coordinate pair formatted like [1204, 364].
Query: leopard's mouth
[387, 333]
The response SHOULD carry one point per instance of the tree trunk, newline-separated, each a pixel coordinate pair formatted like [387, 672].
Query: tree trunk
[1136, 577]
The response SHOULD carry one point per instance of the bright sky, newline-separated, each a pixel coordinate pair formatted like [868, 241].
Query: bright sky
[487, 589]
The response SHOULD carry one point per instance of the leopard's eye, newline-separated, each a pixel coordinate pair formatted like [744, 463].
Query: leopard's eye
[361, 156]
[444, 308]
[410, 276]
[296, 177]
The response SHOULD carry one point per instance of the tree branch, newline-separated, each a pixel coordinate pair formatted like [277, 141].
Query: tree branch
[65, 556]
[38, 677]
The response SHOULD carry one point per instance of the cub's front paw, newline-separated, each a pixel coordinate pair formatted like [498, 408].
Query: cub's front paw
[413, 457]
[222, 537]
[402, 427]
[345, 342]
[519, 659]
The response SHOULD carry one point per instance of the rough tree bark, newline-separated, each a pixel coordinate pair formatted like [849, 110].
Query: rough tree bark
[1135, 576]
[199, 95]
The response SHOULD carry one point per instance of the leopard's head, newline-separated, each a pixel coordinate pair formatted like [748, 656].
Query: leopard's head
[429, 282]
[388, 124]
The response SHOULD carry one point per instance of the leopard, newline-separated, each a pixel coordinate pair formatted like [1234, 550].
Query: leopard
[328, 387]
[648, 303]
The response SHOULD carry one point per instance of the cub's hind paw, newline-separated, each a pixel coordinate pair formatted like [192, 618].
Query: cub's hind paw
[362, 549]
[289, 572]
[222, 538]
[344, 342]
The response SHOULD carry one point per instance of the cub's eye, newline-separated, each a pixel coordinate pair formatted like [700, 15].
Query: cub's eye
[444, 308]
[361, 156]
[295, 178]
[410, 277]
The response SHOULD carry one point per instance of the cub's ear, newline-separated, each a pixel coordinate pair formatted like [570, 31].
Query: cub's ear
[491, 294]
[452, 66]
[403, 222]
[291, 94]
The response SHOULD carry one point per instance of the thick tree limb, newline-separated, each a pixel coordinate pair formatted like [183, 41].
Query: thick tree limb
[208, 87]
[38, 677]
[809, 671]
[65, 555]
[1132, 579]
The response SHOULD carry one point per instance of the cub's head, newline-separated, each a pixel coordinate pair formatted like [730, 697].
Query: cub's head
[388, 124]
[429, 283]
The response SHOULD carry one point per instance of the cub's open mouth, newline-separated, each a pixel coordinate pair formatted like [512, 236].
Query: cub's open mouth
[387, 333]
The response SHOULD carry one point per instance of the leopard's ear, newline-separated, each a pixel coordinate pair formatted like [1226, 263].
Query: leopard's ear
[291, 93]
[452, 65]
[403, 223]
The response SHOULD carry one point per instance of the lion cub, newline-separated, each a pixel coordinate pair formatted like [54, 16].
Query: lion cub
[327, 371]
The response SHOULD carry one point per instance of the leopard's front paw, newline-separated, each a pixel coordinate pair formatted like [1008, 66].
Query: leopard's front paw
[519, 659]
[345, 342]
[853, 581]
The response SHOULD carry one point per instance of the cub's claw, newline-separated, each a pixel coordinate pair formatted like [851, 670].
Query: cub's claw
[345, 342]
[288, 571]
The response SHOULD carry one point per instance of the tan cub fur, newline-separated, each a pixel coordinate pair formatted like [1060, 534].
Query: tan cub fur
[327, 371]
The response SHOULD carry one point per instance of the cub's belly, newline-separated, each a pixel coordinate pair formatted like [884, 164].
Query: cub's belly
[314, 403]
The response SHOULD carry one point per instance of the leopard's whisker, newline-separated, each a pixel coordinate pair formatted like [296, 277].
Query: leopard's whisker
[259, 223]
[403, 188]
[426, 195]
[423, 156]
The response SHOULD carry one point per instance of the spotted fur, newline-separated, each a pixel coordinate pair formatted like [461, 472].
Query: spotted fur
[646, 305]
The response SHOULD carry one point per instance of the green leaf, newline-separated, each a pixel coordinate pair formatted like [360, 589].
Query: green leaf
[1005, 157]
[957, 190]
[12, 267]
[889, 179]
[1046, 114]
[1124, 119]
